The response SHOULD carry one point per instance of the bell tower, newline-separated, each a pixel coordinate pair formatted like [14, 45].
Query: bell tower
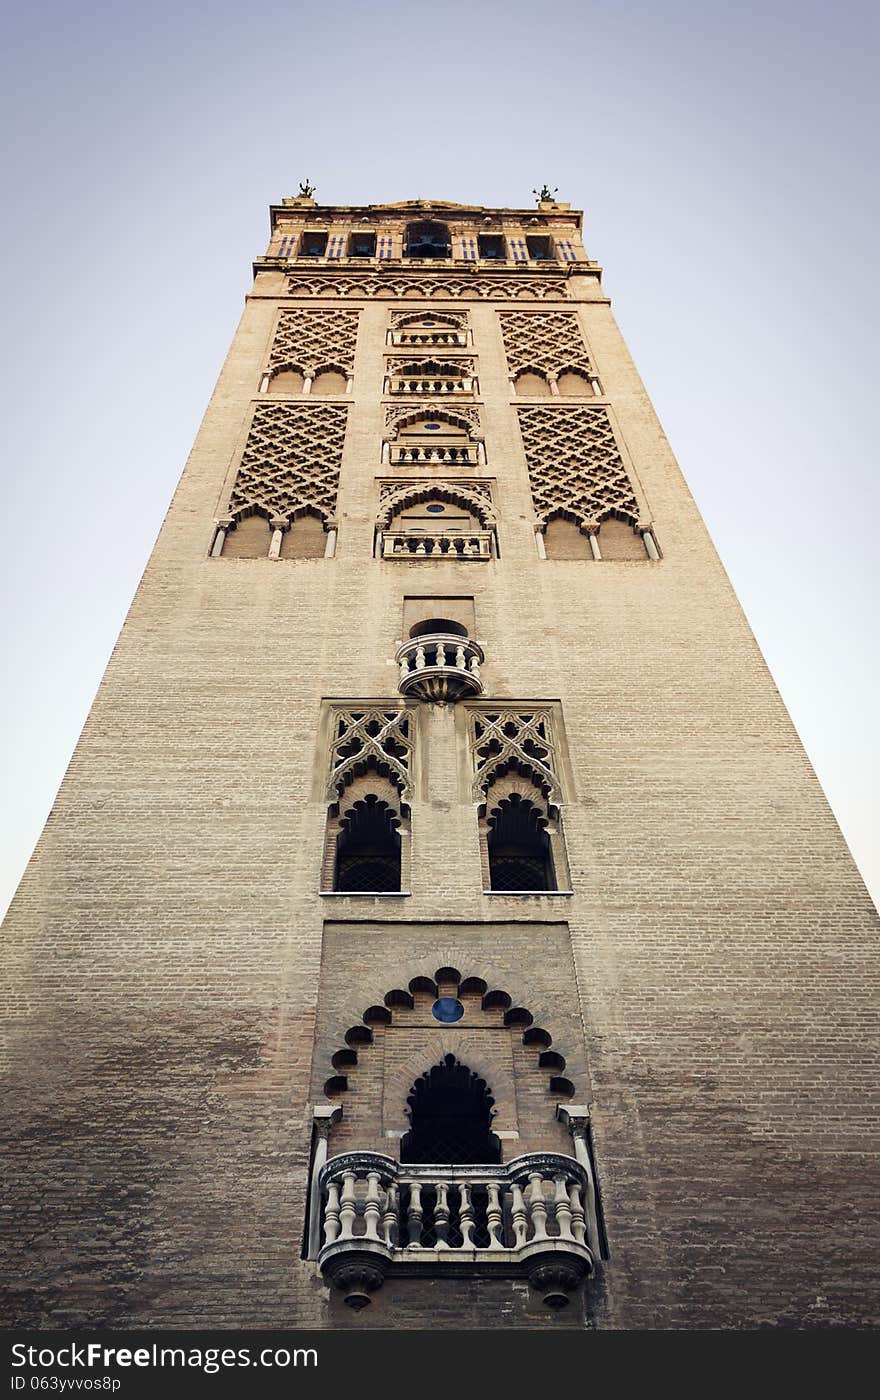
[440, 923]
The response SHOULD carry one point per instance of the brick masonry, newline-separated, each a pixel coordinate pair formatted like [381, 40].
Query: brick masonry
[175, 983]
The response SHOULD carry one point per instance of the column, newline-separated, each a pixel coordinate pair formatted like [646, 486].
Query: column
[223, 526]
[325, 1115]
[577, 1119]
[279, 524]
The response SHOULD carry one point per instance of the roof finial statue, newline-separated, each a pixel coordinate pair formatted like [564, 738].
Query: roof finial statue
[306, 188]
[544, 194]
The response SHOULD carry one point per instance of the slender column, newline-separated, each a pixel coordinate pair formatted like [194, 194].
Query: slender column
[386, 453]
[264, 383]
[540, 546]
[308, 380]
[279, 525]
[481, 452]
[513, 386]
[330, 546]
[325, 1115]
[554, 385]
[594, 545]
[597, 387]
[650, 544]
[349, 384]
[220, 537]
[577, 1120]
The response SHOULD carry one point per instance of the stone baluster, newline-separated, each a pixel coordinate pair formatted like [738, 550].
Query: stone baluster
[390, 1217]
[460, 660]
[441, 655]
[537, 1206]
[404, 667]
[474, 667]
[519, 1216]
[414, 1217]
[578, 1216]
[420, 547]
[467, 386]
[466, 1217]
[441, 1215]
[348, 1204]
[494, 1216]
[372, 1210]
[562, 1208]
[331, 1214]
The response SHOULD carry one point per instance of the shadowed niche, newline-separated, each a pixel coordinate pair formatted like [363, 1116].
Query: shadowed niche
[450, 1110]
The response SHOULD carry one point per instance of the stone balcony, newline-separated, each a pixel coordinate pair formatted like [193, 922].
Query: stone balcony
[446, 454]
[429, 384]
[440, 667]
[525, 1219]
[413, 544]
[442, 335]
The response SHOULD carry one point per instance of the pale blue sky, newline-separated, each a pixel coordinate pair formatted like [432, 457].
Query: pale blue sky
[725, 157]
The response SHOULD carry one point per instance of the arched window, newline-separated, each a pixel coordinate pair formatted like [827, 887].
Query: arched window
[565, 540]
[531, 384]
[427, 240]
[618, 540]
[329, 381]
[572, 384]
[306, 538]
[450, 1112]
[288, 380]
[520, 857]
[368, 848]
[249, 540]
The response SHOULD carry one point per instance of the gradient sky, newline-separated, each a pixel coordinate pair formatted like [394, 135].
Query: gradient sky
[725, 157]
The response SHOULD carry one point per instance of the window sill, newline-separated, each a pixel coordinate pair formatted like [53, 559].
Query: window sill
[531, 894]
[365, 894]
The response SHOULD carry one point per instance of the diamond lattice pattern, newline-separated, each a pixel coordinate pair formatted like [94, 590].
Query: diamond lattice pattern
[314, 339]
[291, 459]
[548, 340]
[575, 467]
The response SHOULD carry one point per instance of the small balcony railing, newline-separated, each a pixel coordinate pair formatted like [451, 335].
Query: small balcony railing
[410, 544]
[427, 384]
[440, 667]
[442, 335]
[445, 454]
[523, 1219]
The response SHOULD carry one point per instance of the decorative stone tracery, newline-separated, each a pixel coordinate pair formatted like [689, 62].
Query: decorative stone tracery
[512, 739]
[575, 467]
[512, 288]
[312, 341]
[543, 340]
[377, 736]
[291, 461]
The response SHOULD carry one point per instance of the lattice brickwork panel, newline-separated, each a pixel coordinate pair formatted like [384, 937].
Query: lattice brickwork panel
[574, 464]
[548, 340]
[522, 740]
[469, 288]
[378, 736]
[291, 459]
[314, 339]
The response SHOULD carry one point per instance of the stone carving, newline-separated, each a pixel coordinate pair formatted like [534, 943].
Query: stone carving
[521, 740]
[465, 415]
[291, 460]
[370, 737]
[315, 340]
[455, 319]
[575, 468]
[535, 287]
[471, 495]
[544, 340]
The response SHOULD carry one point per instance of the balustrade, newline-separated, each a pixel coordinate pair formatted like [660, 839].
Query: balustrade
[440, 336]
[446, 454]
[527, 1216]
[405, 544]
[440, 666]
[427, 384]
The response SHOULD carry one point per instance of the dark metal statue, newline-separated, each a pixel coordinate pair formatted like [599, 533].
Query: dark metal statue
[545, 193]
